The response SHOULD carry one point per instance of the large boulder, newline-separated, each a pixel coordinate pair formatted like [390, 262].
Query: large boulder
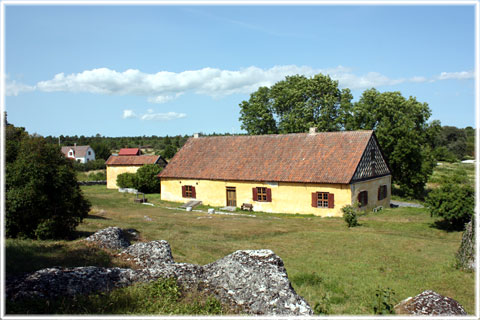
[430, 303]
[255, 281]
[466, 252]
[110, 238]
[54, 282]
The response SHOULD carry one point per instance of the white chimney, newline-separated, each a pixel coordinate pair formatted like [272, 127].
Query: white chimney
[312, 130]
[195, 135]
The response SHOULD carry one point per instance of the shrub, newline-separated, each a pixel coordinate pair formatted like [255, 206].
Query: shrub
[147, 180]
[97, 176]
[323, 307]
[127, 180]
[350, 215]
[454, 201]
[42, 198]
[384, 301]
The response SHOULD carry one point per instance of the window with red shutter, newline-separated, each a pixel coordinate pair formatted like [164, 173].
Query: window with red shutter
[188, 191]
[363, 198]
[382, 192]
[269, 195]
[314, 199]
[194, 193]
[262, 194]
[331, 201]
[322, 200]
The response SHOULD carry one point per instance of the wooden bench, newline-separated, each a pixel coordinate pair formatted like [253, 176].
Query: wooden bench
[247, 206]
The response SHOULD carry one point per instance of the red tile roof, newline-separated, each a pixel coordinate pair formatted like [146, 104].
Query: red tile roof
[325, 157]
[131, 160]
[129, 152]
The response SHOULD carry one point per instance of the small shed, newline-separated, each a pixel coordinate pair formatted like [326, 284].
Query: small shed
[120, 164]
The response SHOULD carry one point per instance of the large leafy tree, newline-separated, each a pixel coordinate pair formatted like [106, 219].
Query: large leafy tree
[297, 104]
[42, 199]
[403, 132]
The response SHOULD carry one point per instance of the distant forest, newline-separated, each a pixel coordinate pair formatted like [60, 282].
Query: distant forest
[104, 146]
[449, 144]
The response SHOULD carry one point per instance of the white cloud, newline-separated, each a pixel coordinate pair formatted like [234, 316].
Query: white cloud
[456, 75]
[13, 88]
[165, 86]
[128, 114]
[151, 115]
[163, 116]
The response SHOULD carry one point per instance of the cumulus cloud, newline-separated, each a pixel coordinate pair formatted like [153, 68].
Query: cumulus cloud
[128, 114]
[13, 88]
[151, 115]
[456, 75]
[165, 86]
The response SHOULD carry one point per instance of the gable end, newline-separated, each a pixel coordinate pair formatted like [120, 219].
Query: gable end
[372, 164]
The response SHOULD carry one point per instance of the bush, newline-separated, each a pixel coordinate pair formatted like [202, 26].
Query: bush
[127, 180]
[453, 200]
[384, 301]
[42, 198]
[147, 180]
[323, 307]
[350, 215]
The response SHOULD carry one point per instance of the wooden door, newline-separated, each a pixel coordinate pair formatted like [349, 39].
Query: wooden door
[231, 197]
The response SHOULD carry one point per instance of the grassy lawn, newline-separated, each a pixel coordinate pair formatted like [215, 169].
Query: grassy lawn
[396, 248]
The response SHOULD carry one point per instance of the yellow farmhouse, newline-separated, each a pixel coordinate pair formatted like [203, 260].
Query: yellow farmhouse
[121, 164]
[305, 173]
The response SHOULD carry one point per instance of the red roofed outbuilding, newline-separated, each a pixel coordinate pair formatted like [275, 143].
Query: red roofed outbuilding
[121, 164]
[129, 152]
[306, 173]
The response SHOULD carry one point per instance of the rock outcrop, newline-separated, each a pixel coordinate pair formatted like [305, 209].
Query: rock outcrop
[256, 281]
[430, 303]
[466, 252]
[250, 281]
[110, 238]
[149, 254]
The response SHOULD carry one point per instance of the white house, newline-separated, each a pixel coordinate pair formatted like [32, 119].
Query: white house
[82, 154]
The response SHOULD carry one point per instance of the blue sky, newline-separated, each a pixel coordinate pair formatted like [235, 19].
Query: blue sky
[158, 70]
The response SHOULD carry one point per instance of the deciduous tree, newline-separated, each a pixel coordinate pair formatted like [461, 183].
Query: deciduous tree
[401, 127]
[42, 198]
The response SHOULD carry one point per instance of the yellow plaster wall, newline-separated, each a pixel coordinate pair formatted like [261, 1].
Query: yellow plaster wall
[114, 171]
[372, 187]
[286, 197]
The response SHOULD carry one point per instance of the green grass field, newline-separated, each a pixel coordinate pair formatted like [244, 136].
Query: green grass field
[396, 248]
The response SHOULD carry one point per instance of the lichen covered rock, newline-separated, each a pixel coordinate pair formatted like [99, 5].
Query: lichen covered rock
[430, 303]
[149, 254]
[257, 282]
[110, 238]
[466, 252]
[250, 281]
